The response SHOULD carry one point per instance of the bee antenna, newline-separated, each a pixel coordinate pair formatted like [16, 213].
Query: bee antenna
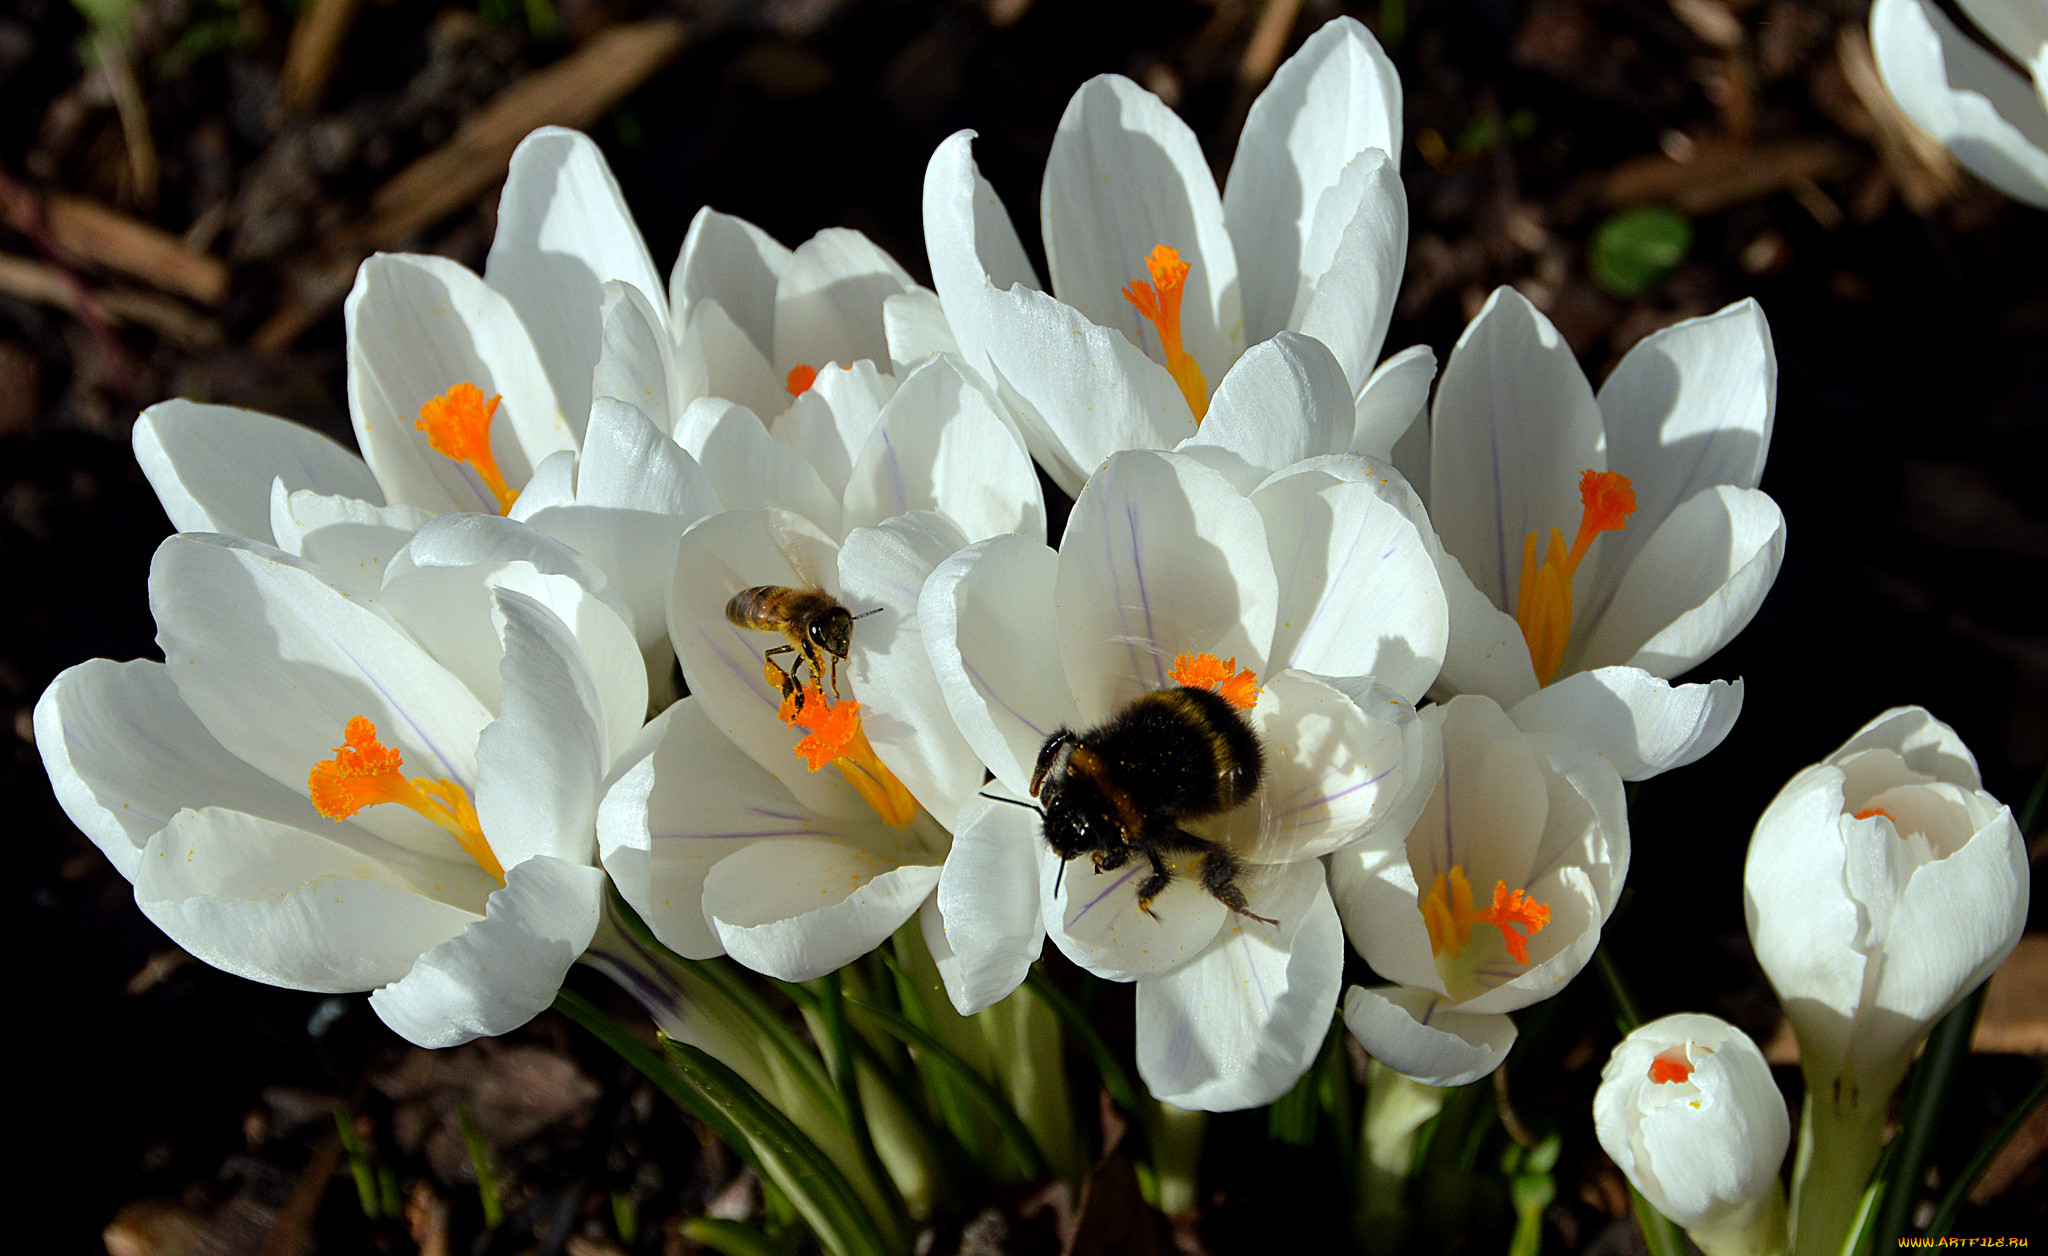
[1029, 806]
[865, 614]
[1059, 877]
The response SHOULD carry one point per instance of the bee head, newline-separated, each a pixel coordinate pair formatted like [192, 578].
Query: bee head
[1078, 818]
[831, 631]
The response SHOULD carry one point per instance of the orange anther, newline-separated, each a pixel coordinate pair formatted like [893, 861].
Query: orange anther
[1543, 606]
[800, 379]
[364, 772]
[1206, 671]
[1158, 302]
[1673, 1064]
[458, 426]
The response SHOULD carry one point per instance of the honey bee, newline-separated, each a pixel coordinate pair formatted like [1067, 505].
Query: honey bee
[814, 626]
[1122, 789]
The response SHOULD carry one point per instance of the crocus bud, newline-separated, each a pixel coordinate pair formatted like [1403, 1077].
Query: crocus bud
[1882, 886]
[1687, 1109]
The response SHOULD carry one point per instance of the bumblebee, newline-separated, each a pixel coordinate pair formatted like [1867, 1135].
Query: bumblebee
[815, 627]
[1122, 789]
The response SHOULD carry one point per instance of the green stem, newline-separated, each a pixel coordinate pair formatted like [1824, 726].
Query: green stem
[1660, 1233]
[1177, 1157]
[1628, 1016]
[1841, 1135]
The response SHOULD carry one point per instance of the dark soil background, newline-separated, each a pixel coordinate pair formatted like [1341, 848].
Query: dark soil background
[184, 1111]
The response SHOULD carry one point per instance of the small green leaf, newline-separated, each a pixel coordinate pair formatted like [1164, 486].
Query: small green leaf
[1635, 249]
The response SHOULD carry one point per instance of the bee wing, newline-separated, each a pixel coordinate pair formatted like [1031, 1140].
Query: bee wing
[809, 552]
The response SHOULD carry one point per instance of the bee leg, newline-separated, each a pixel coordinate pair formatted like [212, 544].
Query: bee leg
[834, 670]
[1155, 885]
[773, 673]
[1219, 872]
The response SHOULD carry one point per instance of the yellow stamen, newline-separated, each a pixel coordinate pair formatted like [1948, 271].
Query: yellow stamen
[364, 773]
[1206, 671]
[1448, 914]
[833, 735]
[1159, 303]
[458, 426]
[1543, 606]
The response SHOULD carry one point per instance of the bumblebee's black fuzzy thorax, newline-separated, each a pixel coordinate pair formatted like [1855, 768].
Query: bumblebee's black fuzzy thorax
[1187, 752]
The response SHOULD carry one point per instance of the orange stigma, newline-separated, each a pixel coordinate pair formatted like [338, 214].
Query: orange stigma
[800, 379]
[1544, 606]
[458, 426]
[833, 735]
[1159, 303]
[1206, 671]
[1450, 917]
[1869, 812]
[364, 773]
[1672, 1064]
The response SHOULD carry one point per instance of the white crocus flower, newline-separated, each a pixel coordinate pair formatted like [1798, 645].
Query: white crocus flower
[1159, 283]
[1493, 901]
[1883, 884]
[1993, 119]
[1582, 634]
[461, 388]
[1687, 1109]
[1168, 574]
[326, 795]
[823, 825]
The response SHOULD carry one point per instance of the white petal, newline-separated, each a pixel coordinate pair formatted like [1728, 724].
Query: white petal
[418, 326]
[940, 445]
[903, 707]
[1357, 246]
[1285, 400]
[830, 422]
[828, 303]
[733, 262]
[1486, 652]
[1965, 97]
[125, 754]
[1926, 744]
[634, 357]
[636, 551]
[748, 467]
[1695, 585]
[1082, 392]
[972, 246]
[541, 762]
[1957, 920]
[563, 229]
[628, 463]
[1409, 1032]
[984, 925]
[987, 618]
[1125, 175]
[1359, 593]
[1333, 766]
[350, 540]
[274, 662]
[1336, 97]
[505, 969]
[1642, 724]
[914, 323]
[1094, 917]
[1514, 426]
[689, 799]
[1689, 408]
[212, 466]
[2019, 27]
[277, 904]
[1391, 401]
[716, 359]
[1239, 1026]
[1161, 557]
[798, 908]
